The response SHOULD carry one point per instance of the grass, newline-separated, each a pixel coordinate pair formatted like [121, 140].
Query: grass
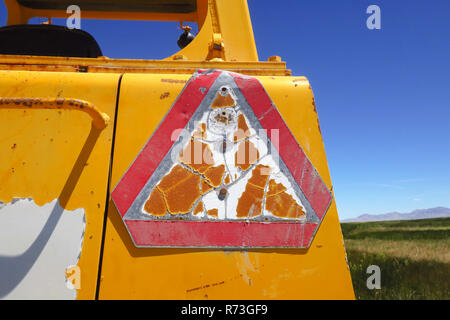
[413, 255]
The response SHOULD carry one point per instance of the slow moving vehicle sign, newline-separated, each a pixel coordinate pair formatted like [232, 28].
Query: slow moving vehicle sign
[222, 170]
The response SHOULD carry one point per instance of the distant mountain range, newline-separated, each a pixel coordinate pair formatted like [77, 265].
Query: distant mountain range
[439, 212]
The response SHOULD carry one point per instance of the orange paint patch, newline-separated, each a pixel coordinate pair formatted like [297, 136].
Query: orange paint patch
[176, 175]
[213, 213]
[205, 186]
[198, 208]
[198, 156]
[155, 205]
[215, 174]
[180, 189]
[223, 101]
[243, 131]
[246, 155]
[250, 203]
[282, 204]
[183, 195]
[227, 179]
[259, 176]
[275, 188]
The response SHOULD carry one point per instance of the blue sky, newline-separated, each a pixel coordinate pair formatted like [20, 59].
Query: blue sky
[383, 96]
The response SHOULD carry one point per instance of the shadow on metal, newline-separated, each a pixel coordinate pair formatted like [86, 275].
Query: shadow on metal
[13, 269]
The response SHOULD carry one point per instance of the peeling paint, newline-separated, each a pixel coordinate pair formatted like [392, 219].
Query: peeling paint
[37, 245]
[223, 145]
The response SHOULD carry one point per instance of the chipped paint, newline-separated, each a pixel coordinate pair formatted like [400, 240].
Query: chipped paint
[29, 246]
[248, 139]
[99, 120]
[223, 145]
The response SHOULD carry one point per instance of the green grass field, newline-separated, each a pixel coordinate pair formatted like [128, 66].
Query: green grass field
[413, 255]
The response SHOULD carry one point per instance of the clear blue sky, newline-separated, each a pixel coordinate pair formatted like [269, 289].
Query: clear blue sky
[383, 96]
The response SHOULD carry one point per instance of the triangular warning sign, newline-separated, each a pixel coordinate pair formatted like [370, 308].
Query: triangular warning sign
[222, 170]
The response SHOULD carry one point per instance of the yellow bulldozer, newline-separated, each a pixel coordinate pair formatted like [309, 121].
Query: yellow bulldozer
[199, 176]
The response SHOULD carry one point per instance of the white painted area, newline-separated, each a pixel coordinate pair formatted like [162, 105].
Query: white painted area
[37, 244]
[211, 201]
[235, 193]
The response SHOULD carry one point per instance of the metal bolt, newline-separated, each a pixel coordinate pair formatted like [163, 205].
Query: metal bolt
[222, 193]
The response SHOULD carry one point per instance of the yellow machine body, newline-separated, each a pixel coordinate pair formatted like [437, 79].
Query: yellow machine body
[54, 150]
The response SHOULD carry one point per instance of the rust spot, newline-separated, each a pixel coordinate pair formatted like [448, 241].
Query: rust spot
[246, 155]
[164, 95]
[173, 80]
[198, 156]
[215, 174]
[314, 105]
[156, 205]
[224, 147]
[223, 118]
[205, 286]
[14, 146]
[221, 101]
[98, 205]
[213, 213]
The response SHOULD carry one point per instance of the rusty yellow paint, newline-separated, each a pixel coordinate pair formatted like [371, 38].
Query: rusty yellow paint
[107, 65]
[320, 272]
[58, 154]
[99, 120]
[49, 154]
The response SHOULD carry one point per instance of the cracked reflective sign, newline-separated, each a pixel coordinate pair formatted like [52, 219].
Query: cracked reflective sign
[218, 176]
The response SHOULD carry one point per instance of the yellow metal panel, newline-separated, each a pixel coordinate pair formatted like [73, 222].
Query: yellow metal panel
[151, 273]
[49, 154]
[106, 65]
